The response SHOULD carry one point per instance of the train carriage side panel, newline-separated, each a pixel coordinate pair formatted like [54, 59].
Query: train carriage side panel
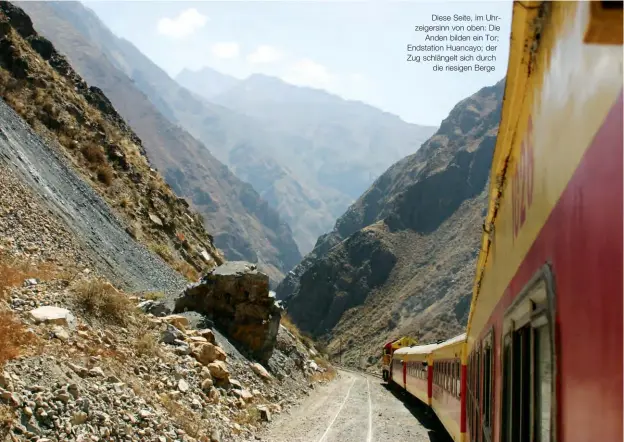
[417, 373]
[547, 297]
[446, 399]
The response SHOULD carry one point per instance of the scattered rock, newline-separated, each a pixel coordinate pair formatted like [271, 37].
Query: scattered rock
[53, 315]
[183, 386]
[261, 371]
[265, 414]
[208, 335]
[206, 385]
[219, 370]
[178, 321]
[207, 353]
[60, 333]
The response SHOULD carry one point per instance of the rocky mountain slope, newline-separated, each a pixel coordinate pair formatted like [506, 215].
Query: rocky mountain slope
[244, 226]
[400, 260]
[89, 137]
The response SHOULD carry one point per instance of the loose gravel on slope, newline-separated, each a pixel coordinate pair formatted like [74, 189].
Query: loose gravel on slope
[117, 256]
[357, 408]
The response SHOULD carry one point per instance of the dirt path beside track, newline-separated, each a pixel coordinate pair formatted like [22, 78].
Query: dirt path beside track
[356, 408]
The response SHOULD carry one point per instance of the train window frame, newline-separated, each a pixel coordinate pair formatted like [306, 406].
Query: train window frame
[487, 376]
[532, 312]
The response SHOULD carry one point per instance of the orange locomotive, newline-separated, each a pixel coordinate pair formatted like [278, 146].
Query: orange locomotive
[547, 296]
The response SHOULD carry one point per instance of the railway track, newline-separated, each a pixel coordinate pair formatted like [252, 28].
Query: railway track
[355, 371]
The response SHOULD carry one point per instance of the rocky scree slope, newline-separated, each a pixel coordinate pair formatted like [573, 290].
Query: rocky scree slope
[88, 363]
[400, 260]
[78, 359]
[88, 135]
[244, 226]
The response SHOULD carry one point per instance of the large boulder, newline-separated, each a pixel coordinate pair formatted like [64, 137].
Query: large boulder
[236, 297]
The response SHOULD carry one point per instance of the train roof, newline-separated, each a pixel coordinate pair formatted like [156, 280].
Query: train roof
[416, 350]
[452, 341]
[426, 349]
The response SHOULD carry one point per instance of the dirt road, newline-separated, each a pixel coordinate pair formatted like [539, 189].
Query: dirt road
[356, 408]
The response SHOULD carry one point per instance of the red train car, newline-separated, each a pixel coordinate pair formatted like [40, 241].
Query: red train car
[544, 340]
[541, 360]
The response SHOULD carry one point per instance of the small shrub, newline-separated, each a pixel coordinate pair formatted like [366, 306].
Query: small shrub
[187, 270]
[105, 175]
[93, 154]
[162, 251]
[146, 345]
[101, 299]
[182, 415]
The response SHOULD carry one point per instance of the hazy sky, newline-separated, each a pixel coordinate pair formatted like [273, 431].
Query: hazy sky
[356, 50]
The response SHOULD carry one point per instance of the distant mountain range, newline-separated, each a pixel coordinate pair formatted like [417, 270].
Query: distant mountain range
[307, 153]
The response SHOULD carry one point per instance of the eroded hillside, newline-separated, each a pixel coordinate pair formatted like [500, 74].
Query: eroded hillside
[244, 225]
[400, 260]
[41, 86]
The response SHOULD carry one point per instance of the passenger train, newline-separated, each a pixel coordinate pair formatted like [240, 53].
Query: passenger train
[541, 359]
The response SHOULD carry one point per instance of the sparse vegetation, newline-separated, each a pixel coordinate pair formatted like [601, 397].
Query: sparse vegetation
[7, 419]
[189, 421]
[13, 273]
[105, 175]
[163, 251]
[287, 322]
[187, 270]
[93, 154]
[101, 299]
[14, 337]
[147, 345]
[154, 296]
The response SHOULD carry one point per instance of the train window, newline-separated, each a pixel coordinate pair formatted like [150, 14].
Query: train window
[487, 385]
[529, 365]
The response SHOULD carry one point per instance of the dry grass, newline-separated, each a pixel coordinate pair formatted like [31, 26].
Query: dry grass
[13, 336]
[287, 322]
[105, 174]
[102, 300]
[13, 272]
[7, 419]
[93, 154]
[147, 345]
[188, 420]
[187, 270]
[154, 296]
[163, 251]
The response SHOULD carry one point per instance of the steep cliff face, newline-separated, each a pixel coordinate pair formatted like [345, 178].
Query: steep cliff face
[400, 260]
[243, 224]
